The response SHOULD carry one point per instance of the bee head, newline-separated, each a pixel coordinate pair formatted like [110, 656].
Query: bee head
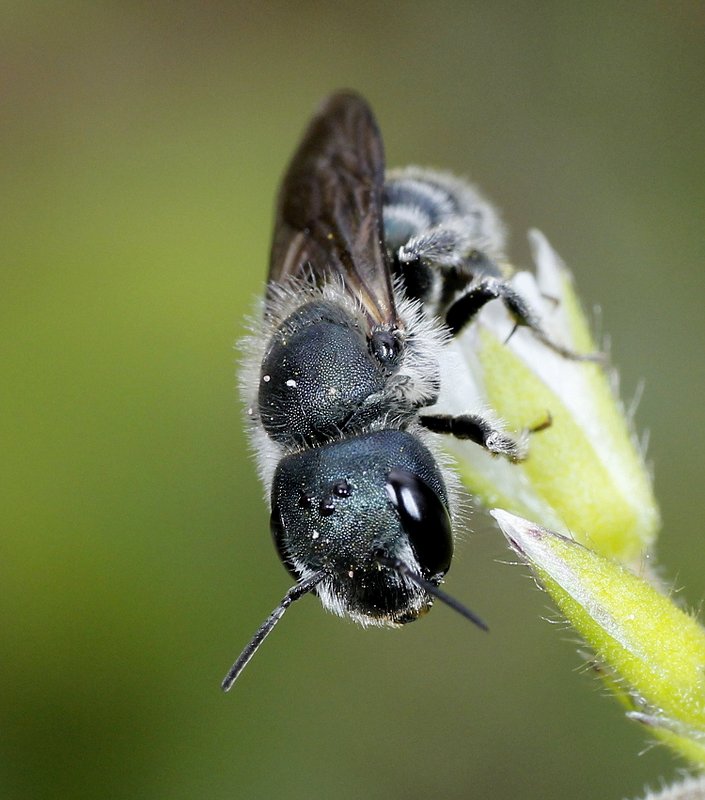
[345, 507]
[363, 523]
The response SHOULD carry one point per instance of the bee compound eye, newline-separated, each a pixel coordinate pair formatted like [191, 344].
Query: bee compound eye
[276, 526]
[425, 520]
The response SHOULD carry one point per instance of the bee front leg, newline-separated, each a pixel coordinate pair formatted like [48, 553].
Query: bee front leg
[478, 429]
[485, 432]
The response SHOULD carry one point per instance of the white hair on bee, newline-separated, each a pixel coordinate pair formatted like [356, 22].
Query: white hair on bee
[331, 599]
[439, 217]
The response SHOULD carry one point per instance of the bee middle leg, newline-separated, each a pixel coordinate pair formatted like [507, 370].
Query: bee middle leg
[462, 312]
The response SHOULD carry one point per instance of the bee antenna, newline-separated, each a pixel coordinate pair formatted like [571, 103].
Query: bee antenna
[404, 569]
[297, 591]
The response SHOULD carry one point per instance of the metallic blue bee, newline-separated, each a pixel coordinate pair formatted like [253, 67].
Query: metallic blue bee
[368, 281]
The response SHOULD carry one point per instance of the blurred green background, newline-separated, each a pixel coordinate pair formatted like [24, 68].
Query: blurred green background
[141, 147]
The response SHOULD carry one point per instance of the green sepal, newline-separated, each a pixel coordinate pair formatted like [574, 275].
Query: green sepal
[651, 651]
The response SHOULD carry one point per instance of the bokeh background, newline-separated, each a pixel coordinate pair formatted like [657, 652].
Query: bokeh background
[141, 147]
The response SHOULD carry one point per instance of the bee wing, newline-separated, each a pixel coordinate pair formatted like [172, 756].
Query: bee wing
[329, 215]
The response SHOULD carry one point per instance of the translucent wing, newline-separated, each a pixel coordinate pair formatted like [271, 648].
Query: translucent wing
[329, 214]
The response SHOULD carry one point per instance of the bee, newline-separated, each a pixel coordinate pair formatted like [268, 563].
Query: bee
[368, 282]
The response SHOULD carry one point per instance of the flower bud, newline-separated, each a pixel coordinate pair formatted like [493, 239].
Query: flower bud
[584, 473]
[650, 652]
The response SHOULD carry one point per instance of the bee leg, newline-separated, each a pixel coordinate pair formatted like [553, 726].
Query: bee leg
[467, 306]
[480, 430]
